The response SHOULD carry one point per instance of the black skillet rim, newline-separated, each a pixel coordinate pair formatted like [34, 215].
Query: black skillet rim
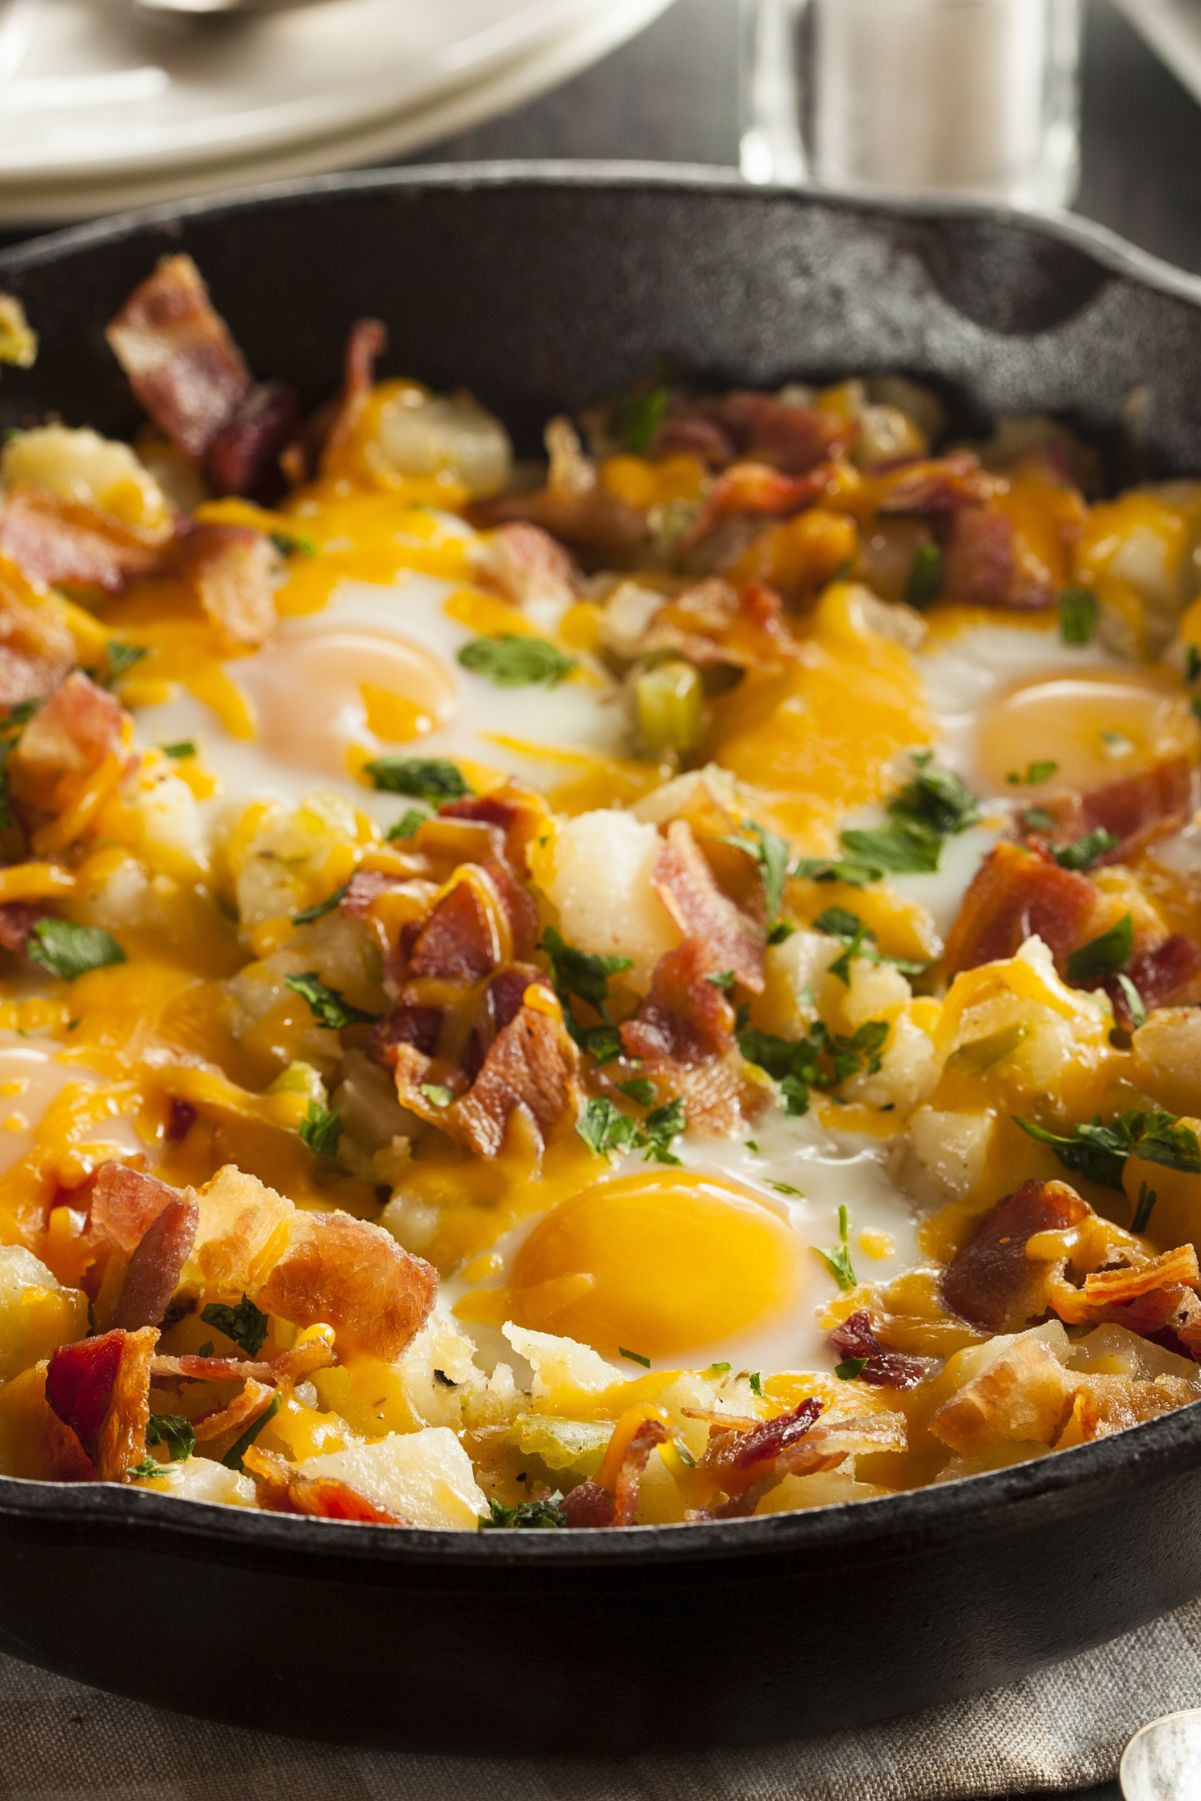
[948, 1513]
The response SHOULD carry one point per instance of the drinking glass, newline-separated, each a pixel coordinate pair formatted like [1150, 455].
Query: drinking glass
[975, 97]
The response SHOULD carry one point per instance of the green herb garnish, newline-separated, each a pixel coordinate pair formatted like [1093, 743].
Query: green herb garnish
[849, 1368]
[1144, 1208]
[69, 950]
[408, 823]
[122, 657]
[634, 1356]
[1134, 1000]
[246, 1324]
[838, 1261]
[635, 418]
[326, 1004]
[437, 1094]
[329, 905]
[149, 1466]
[1077, 615]
[321, 1129]
[431, 779]
[183, 747]
[580, 973]
[1099, 1152]
[514, 661]
[1103, 956]
[927, 574]
[172, 1430]
[526, 1513]
[1086, 851]
[770, 854]
[233, 1457]
[1034, 774]
[290, 544]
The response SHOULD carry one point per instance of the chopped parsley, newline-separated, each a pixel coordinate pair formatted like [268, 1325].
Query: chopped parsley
[785, 1188]
[1134, 1000]
[1086, 851]
[326, 1004]
[858, 940]
[431, 779]
[437, 1094]
[1117, 744]
[601, 1042]
[246, 1324]
[838, 1261]
[1103, 956]
[68, 950]
[408, 823]
[634, 1356]
[640, 1089]
[771, 855]
[825, 869]
[329, 905]
[721, 978]
[635, 418]
[149, 1466]
[526, 1513]
[926, 577]
[849, 1368]
[172, 1430]
[899, 848]
[121, 658]
[321, 1129]
[183, 747]
[935, 798]
[1099, 1152]
[511, 660]
[1077, 615]
[233, 1457]
[291, 544]
[1037, 819]
[822, 1059]
[756, 1383]
[1033, 774]
[718, 1369]
[580, 973]
[1144, 1208]
[605, 1128]
[1192, 663]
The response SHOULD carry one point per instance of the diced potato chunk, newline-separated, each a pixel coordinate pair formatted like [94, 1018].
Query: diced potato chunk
[426, 1476]
[36, 1312]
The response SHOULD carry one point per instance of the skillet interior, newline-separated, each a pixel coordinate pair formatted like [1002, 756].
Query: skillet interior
[539, 290]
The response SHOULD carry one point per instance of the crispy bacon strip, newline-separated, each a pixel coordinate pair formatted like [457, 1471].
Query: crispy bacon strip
[364, 889]
[574, 506]
[17, 920]
[986, 564]
[484, 920]
[859, 1336]
[76, 729]
[523, 562]
[990, 1281]
[714, 623]
[530, 1070]
[684, 883]
[154, 1269]
[232, 570]
[100, 1389]
[1017, 894]
[182, 364]
[754, 491]
[365, 344]
[244, 456]
[60, 541]
[1165, 974]
[685, 1019]
[589, 1504]
[354, 1276]
[933, 485]
[282, 1489]
[1146, 1297]
[124, 1203]
[736, 1460]
[249, 1405]
[758, 428]
[36, 649]
[1134, 809]
[519, 813]
[310, 1353]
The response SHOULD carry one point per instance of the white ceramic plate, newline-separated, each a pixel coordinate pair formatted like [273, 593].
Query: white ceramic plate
[1173, 30]
[96, 91]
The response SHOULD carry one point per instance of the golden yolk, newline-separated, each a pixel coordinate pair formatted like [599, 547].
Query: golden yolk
[659, 1264]
[317, 692]
[1095, 727]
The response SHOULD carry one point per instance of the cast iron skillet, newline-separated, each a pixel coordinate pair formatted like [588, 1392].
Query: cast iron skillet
[540, 289]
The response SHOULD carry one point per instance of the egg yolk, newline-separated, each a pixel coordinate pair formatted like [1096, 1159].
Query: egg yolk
[318, 692]
[1094, 727]
[659, 1264]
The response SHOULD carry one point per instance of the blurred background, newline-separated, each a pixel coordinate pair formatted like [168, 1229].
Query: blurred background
[1090, 104]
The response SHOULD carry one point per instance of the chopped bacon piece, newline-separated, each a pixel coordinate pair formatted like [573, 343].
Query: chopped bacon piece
[685, 1018]
[518, 812]
[17, 920]
[409, 1024]
[244, 456]
[154, 1269]
[356, 1278]
[529, 1070]
[282, 1489]
[1134, 809]
[176, 350]
[60, 541]
[181, 1117]
[1165, 974]
[523, 562]
[735, 1460]
[591, 1505]
[250, 1404]
[754, 491]
[364, 889]
[858, 1336]
[1017, 894]
[232, 570]
[314, 1351]
[713, 622]
[124, 1203]
[77, 728]
[990, 1281]
[574, 505]
[36, 649]
[100, 1388]
[365, 344]
[1146, 1297]
[484, 919]
[756, 427]
[684, 883]
[588, 1505]
[937, 485]
[985, 563]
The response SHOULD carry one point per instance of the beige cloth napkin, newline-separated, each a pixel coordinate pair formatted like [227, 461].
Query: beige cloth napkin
[1063, 1728]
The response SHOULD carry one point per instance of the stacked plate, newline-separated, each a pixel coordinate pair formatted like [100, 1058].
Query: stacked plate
[105, 104]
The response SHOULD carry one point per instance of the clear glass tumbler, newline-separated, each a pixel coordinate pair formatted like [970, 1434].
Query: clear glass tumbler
[975, 97]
